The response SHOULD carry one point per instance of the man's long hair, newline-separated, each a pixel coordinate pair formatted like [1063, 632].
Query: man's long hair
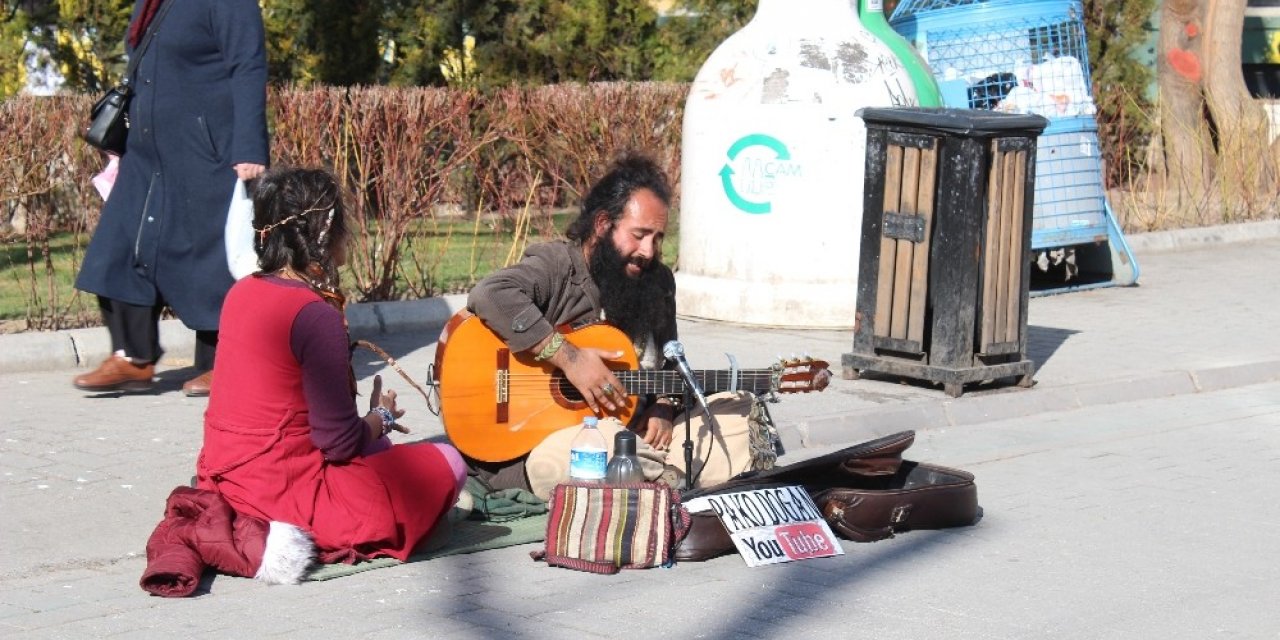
[628, 174]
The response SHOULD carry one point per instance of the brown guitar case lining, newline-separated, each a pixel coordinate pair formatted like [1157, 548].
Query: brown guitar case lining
[866, 492]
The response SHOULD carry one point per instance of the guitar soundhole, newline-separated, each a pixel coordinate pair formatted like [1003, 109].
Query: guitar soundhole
[565, 389]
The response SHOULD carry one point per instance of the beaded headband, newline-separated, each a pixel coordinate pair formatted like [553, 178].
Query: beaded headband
[262, 233]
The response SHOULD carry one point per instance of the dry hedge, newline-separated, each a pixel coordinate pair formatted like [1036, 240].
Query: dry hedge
[406, 155]
[409, 158]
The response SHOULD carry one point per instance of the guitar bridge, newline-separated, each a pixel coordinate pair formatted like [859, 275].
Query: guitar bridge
[502, 386]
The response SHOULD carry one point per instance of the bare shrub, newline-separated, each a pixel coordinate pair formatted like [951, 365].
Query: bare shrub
[307, 126]
[554, 140]
[45, 170]
[1229, 183]
[406, 144]
[570, 132]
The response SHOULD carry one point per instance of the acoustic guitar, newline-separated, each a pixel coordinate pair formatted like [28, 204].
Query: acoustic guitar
[497, 405]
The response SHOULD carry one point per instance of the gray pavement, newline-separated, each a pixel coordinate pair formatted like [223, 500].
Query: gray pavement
[1126, 495]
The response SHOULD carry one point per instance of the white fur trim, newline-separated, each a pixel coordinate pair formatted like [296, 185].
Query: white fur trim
[462, 508]
[289, 553]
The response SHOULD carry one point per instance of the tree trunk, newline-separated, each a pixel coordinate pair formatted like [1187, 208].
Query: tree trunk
[1243, 139]
[1187, 142]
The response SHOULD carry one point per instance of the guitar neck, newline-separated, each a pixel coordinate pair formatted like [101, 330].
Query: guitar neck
[711, 380]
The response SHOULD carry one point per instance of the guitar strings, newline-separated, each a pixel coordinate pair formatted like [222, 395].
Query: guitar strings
[664, 378]
[667, 382]
[670, 375]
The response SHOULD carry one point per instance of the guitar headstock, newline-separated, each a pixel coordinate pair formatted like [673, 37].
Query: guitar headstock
[800, 375]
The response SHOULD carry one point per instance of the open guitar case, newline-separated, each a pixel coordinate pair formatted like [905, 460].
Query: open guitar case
[866, 492]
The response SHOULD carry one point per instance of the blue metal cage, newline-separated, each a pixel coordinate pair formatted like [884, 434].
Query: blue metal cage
[1028, 56]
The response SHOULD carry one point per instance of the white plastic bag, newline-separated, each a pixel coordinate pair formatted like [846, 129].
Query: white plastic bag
[242, 260]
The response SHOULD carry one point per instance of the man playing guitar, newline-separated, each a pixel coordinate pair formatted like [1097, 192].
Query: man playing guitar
[609, 269]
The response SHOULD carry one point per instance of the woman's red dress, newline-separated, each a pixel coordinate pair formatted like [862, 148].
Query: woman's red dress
[258, 452]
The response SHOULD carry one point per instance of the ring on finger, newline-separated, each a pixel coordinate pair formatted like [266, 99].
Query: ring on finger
[607, 388]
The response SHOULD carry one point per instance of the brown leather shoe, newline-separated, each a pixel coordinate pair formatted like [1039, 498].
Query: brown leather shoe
[117, 374]
[199, 385]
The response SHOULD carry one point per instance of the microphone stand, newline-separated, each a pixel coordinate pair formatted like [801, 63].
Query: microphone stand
[714, 425]
[688, 442]
[675, 351]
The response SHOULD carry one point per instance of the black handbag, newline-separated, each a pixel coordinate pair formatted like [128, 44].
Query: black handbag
[109, 120]
[109, 117]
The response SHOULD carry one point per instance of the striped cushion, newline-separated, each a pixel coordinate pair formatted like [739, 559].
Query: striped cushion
[604, 528]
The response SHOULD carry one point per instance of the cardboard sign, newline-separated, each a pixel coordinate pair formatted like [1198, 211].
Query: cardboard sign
[770, 526]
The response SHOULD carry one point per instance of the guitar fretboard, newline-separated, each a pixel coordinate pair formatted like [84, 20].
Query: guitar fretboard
[711, 380]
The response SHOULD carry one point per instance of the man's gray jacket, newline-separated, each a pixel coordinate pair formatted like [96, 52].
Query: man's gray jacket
[551, 287]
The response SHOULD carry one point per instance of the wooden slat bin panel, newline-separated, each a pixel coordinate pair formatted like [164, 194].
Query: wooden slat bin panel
[945, 244]
[1004, 254]
[902, 287]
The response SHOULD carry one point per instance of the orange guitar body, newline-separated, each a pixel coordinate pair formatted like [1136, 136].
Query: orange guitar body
[497, 405]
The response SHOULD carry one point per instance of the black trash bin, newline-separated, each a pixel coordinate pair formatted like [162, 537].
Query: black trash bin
[946, 239]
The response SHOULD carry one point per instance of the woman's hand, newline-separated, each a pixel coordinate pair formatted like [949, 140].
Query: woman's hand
[248, 171]
[386, 400]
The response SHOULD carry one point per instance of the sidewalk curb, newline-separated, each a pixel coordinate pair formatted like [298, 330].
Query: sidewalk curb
[45, 350]
[82, 348]
[1015, 403]
[1174, 239]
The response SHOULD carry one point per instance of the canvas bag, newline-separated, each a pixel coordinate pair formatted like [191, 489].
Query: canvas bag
[604, 528]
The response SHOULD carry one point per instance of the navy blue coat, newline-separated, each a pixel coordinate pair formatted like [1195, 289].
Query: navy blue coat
[199, 108]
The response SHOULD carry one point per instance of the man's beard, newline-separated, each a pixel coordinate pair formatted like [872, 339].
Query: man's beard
[635, 305]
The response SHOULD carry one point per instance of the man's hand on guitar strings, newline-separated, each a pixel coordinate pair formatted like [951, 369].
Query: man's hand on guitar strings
[586, 370]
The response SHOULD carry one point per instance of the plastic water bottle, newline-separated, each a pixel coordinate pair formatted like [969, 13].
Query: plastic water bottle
[624, 466]
[587, 454]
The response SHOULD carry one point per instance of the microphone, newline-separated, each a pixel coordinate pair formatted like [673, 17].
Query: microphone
[674, 351]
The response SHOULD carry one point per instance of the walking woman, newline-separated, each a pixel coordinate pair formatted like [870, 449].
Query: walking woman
[197, 123]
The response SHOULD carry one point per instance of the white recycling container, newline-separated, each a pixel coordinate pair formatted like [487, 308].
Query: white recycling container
[773, 163]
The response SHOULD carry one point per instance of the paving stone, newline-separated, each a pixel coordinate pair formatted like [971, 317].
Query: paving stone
[1143, 509]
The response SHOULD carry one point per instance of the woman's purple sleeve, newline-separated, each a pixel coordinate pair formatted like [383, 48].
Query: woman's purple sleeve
[319, 342]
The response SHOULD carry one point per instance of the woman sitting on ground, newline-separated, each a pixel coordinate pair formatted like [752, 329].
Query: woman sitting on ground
[283, 439]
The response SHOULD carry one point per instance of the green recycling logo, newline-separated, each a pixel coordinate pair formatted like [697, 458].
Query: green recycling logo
[750, 187]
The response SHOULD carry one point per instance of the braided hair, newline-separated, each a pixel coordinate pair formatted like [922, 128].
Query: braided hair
[299, 218]
[299, 221]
